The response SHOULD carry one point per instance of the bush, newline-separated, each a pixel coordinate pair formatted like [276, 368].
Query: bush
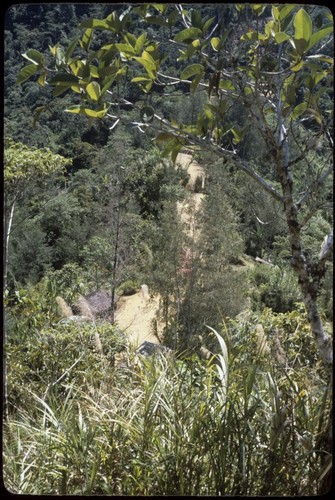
[129, 287]
[275, 288]
[58, 356]
[238, 424]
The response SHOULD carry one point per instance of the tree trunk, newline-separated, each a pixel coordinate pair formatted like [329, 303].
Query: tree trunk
[8, 220]
[309, 276]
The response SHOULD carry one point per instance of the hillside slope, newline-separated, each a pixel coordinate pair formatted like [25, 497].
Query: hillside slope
[136, 313]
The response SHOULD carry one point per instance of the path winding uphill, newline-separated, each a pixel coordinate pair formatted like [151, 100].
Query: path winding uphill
[189, 207]
[136, 313]
[135, 316]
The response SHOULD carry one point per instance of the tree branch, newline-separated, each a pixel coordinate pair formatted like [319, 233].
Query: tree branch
[224, 153]
[327, 248]
[317, 185]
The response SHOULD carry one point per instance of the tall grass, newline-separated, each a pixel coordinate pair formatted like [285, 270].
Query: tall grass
[174, 427]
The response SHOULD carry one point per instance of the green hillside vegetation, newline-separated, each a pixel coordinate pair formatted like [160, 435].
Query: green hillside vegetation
[96, 114]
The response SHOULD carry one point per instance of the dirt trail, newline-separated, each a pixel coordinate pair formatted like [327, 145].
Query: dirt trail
[135, 313]
[189, 207]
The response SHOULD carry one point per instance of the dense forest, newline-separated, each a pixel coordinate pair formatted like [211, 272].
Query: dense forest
[151, 154]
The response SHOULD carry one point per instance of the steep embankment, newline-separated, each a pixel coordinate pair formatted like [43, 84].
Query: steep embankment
[136, 313]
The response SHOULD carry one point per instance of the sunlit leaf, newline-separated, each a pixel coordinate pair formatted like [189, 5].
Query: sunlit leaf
[126, 48]
[70, 49]
[86, 40]
[34, 56]
[94, 23]
[258, 8]
[149, 64]
[93, 90]
[140, 42]
[26, 73]
[191, 70]
[207, 24]
[285, 10]
[188, 34]
[281, 37]
[302, 26]
[299, 110]
[82, 110]
[215, 43]
[319, 35]
[297, 67]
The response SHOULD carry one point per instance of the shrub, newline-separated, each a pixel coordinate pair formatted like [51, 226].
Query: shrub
[58, 355]
[275, 288]
[128, 287]
[237, 424]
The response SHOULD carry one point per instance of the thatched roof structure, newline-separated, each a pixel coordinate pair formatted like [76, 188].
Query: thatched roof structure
[95, 304]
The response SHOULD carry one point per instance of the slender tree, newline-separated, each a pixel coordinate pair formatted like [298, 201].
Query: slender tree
[23, 166]
[274, 61]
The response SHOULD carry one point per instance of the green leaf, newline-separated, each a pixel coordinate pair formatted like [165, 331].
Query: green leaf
[172, 147]
[140, 42]
[87, 111]
[70, 49]
[149, 64]
[251, 35]
[258, 8]
[37, 113]
[41, 79]
[107, 83]
[95, 23]
[227, 85]
[215, 43]
[196, 19]
[172, 18]
[85, 42]
[191, 70]
[300, 45]
[299, 110]
[144, 82]
[130, 38]
[175, 151]
[237, 136]
[161, 7]
[195, 83]
[281, 37]
[125, 48]
[159, 21]
[53, 50]
[302, 25]
[34, 56]
[188, 34]
[319, 35]
[297, 67]
[93, 90]
[114, 21]
[26, 73]
[285, 10]
[207, 24]
[275, 12]
[60, 56]
[94, 72]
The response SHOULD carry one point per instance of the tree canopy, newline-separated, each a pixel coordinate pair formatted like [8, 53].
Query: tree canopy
[277, 67]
